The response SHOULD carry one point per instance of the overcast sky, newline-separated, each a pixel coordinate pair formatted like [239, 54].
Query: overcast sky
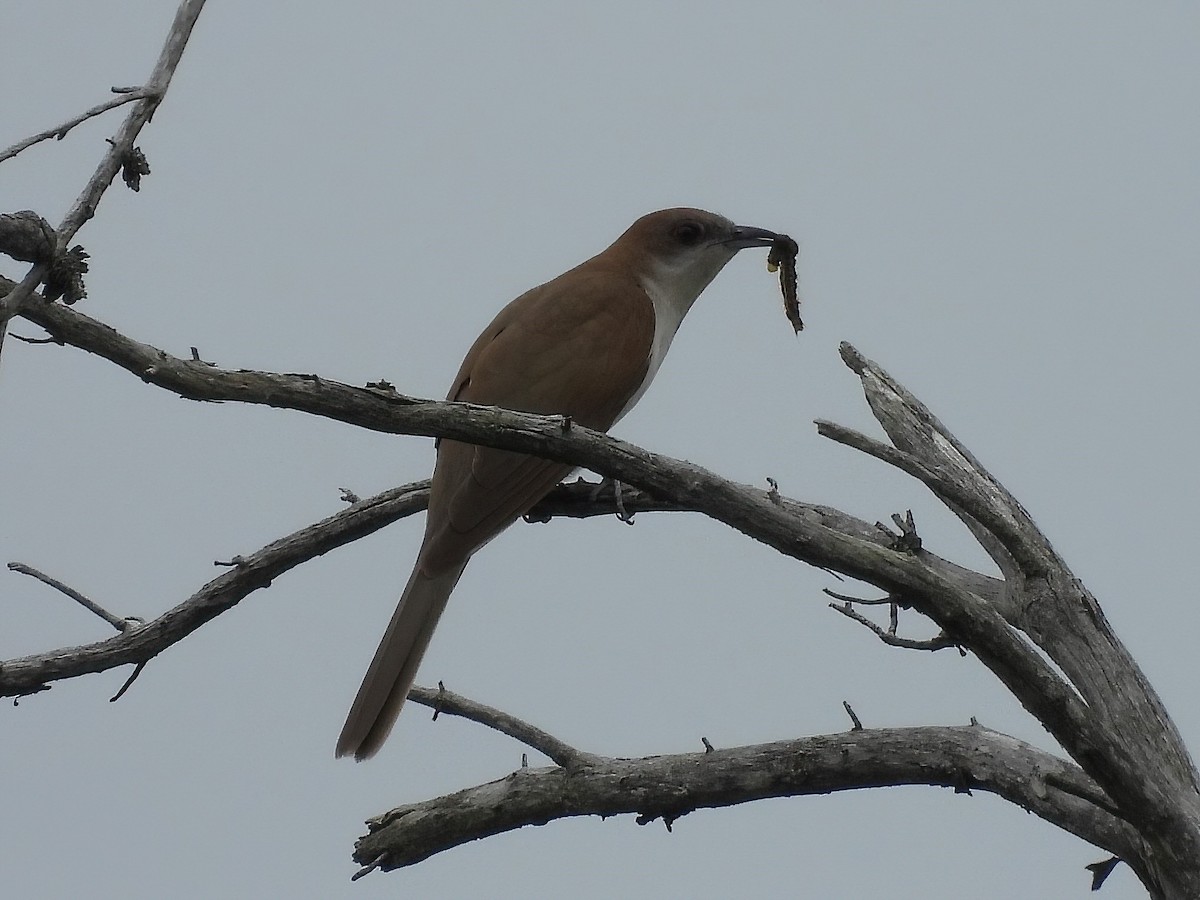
[998, 205]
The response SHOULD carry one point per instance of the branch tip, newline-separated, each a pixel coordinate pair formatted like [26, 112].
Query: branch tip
[855, 361]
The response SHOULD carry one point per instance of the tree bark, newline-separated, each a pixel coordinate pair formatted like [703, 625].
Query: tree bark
[1132, 787]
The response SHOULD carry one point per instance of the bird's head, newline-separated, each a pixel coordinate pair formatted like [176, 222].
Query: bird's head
[680, 251]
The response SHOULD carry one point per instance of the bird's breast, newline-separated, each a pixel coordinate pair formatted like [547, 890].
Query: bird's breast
[671, 304]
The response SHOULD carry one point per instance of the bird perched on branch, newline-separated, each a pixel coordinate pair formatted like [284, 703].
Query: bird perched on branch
[585, 345]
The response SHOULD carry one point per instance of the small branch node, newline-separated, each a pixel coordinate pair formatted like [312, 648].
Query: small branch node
[773, 493]
[348, 496]
[196, 358]
[855, 723]
[708, 748]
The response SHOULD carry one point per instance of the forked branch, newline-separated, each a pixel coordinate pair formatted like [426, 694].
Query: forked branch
[1037, 629]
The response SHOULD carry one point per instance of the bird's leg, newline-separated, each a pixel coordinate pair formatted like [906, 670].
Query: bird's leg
[605, 483]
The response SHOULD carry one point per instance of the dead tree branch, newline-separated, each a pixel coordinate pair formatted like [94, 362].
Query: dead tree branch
[1037, 629]
[58, 132]
[444, 701]
[140, 640]
[114, 620]
[965, 758]
[137, 645]
[119, 155]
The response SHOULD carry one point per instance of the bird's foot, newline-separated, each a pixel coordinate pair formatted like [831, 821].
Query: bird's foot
[607, 483]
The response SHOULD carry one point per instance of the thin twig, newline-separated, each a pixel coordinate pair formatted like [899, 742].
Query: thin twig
[156, 88]
[29, 340]
[137, 670]
[444, 701]
[60, 131]
[863, 601]
[940, 642]
[121, 624]
[855, 723]
[121, 145]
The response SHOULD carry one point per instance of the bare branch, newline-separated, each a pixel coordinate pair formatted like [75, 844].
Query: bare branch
[444, 701]
[1129, 743]
[954, 597]
[122, 143]
[672, 484]
[1103, 713]
[672, 786]
[945, 489]
[138, 645]
[60, 131]
[115, 621]
[940, 642]
[249, 573]
[121, 146]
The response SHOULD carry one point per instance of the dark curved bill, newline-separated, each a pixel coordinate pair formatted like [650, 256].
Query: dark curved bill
[748, 236]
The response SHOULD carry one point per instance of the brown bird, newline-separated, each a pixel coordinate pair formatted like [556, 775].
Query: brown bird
[585, 345]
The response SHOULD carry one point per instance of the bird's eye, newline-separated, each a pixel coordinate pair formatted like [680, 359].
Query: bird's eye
[689, 233]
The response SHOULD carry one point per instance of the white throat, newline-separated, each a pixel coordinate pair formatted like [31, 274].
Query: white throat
[672, 291]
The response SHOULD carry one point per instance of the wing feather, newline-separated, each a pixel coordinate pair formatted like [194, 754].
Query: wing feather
[582, 352]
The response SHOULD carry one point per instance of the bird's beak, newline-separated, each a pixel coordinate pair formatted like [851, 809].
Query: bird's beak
[744, 236]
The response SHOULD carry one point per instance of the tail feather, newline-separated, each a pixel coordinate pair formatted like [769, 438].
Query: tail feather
[394, 668]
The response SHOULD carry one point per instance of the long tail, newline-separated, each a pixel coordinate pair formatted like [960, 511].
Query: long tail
[392, 671]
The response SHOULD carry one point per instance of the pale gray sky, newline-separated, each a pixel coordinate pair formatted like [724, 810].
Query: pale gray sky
[999, 205]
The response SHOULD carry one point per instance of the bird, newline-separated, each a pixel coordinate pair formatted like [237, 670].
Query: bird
[585, 345]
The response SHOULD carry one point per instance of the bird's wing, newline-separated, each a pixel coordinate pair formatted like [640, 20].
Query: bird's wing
[582, 353]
